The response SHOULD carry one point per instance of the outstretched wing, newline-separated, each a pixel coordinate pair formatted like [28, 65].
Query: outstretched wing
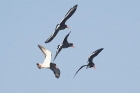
[65, 39]
[56, 71]
[69, 14]
[94, 54]
[47, 54]
[52, 36]
[79, 69]
[58, 50]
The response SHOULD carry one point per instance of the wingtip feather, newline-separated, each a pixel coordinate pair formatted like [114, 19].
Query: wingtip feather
[46, 41]
[39, 46]
[76, 5]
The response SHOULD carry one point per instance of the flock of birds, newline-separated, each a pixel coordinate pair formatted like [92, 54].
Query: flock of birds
[65, 44]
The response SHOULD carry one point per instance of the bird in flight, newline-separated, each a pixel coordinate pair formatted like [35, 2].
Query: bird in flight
[47, 62]
[90, 58]
[65, 44]
[62, 25]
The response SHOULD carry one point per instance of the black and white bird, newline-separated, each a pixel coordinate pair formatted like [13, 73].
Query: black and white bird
[62, 25]
[47, 62]
[90, 58]
[65, 44]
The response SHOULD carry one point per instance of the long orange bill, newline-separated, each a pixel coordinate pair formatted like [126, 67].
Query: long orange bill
[55, 66]
[67, 27]
[94, 67]
[73, 46]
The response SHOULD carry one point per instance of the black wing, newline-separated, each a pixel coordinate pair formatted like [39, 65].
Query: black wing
[56, 71]
[94, 54]
[79, 69]
[58, 50]
[65, 39]
[69, 14]
[52, 36]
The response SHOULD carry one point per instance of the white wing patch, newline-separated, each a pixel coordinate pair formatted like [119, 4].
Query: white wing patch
[91, 54]
[66, 15]
[60, 46]
[47, 53]
[57, 27]
[51, 35]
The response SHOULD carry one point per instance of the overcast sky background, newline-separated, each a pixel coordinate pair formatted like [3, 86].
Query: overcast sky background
[110, 24]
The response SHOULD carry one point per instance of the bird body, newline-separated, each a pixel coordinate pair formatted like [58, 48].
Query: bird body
[65, 44]
[62, 25]
[90, 58]
[47, 62]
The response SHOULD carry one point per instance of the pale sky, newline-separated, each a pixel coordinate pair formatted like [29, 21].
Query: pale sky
[110, 24]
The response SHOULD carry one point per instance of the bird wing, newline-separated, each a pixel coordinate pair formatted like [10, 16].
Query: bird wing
[52, 36]
[79, 69]
[94, 54]
[47, 54]
[65, 39]
[58, 50]
[56, 71]
[69, 14]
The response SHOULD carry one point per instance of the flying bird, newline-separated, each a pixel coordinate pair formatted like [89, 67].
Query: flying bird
[65, 44]
[90, 58]
[47, 62]
[62, 25]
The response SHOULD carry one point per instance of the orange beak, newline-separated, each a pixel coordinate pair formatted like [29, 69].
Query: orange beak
[94, 67]
[73, 46]
[67, 27]
[39, 66]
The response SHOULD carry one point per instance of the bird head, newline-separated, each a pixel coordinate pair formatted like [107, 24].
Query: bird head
[90, 65]
[38, 65]
[67, 27]
[71, 44]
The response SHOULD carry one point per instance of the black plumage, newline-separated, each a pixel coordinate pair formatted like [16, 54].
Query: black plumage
[55, 70]
[90, 58]
[65, 44]
[62, 25]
